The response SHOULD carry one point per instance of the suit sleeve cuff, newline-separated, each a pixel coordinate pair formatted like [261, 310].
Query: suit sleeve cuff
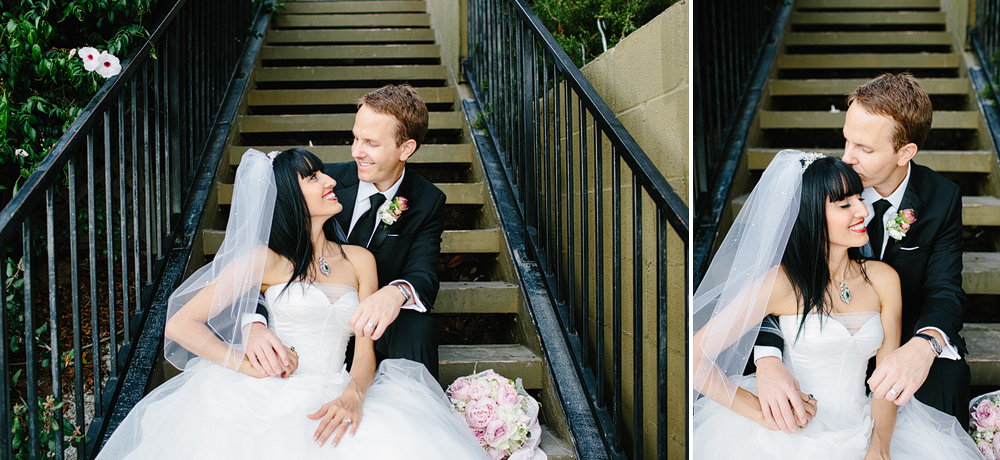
[949, 351]
[251, 318]
[764, 352]
[417, 304]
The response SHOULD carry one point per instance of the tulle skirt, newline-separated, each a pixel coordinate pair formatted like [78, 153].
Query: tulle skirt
[921, 433]
[210, 412]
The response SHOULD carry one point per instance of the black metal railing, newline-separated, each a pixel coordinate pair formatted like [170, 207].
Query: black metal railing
[985, 41]
[94, 222]
[734, 46]
[601, 220]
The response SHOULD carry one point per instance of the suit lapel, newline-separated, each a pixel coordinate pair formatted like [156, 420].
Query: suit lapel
[910, 201]
[381, 231]
[347, 197]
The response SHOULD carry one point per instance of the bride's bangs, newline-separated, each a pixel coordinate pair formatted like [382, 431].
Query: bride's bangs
[841, 181]
[304, 162]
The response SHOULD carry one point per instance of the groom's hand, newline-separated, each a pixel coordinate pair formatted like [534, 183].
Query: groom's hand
[779, 395]
[903, 371]
[376, 312]
[266, 354]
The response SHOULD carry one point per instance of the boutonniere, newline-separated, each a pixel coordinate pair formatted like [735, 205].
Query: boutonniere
[391, 210]
[899, 223]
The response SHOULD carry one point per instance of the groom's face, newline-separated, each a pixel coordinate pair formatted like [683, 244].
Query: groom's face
[869, 149]
[380, 160]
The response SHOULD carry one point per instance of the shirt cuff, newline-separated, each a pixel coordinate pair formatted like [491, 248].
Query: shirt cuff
[417, 304]
[760, 351]
[948, 351]
[251, 318]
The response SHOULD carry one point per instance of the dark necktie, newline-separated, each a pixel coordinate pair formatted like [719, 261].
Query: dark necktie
[878, 229]
[365, 228]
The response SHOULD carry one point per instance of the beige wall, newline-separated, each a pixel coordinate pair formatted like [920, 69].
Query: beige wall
[961, 16]
[448, 18]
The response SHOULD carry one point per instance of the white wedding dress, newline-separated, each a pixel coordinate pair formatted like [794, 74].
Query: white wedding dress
[211, 412]
[830, 361]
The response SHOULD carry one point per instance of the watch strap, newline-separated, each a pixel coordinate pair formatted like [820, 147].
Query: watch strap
[406, 293]
[935, 344]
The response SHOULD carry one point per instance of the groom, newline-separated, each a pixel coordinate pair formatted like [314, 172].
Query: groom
[389, 127]
[888, 120]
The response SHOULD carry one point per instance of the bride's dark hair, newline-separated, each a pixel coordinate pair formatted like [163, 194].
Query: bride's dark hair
[290, 228]
[807, 256]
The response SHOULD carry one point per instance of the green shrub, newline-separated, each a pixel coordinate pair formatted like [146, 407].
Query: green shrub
[573, 23]
[43, 85]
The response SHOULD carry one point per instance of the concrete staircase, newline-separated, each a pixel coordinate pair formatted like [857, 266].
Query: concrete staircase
[319, 57]
[830, 47]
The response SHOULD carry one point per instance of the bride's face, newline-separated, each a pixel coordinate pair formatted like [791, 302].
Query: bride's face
[845, 221]
[317, 189]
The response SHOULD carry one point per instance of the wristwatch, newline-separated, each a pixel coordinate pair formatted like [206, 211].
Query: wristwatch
[405, 292]
[935, 344]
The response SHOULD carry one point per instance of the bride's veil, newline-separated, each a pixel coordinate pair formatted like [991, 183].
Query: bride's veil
[238, 266]
[732, 298]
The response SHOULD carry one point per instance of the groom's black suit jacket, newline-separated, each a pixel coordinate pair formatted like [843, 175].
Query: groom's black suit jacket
[928, 259]
[408, 249]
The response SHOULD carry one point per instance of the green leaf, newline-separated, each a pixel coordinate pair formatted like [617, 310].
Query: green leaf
[45, 362]
[15, 377]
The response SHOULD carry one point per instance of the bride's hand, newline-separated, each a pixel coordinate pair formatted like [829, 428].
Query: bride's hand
[283, 370]
[340, 415]
[875, 452]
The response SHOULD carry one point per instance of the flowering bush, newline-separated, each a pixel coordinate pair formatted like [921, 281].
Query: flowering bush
[502, 416]
[985, 424]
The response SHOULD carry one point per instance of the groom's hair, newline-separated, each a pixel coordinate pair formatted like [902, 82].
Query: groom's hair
[402, 103]
[899, 97]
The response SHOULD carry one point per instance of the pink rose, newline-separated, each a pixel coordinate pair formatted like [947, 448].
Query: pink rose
[908, 216]
[459, 390]
[479, 413]
[496, 432]
[524, 419]
[480, 389]
[398, 212]
[985, 415]
[986, 449]
[480, 434]
[507, 394]
[493, 375]
[905, 226]
[402, 203]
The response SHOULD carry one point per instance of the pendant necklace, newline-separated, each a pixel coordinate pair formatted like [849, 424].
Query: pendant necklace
[324, 268]
[845, 293]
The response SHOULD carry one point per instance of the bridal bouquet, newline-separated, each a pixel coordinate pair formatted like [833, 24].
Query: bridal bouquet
[500, 413]
[985, 426]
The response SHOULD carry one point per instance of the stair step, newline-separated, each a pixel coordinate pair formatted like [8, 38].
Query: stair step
[868, 4]
[483, 241]
[353, 21]
[351, 73]
[465, 193]
[981, 272]
[336, 96]
[511, 361]
[869, 18]
[349, 36]
[431, 153]
[970, 161]
[835, 120]
[870, 61]
[983, 341]
[391, 51]
[980, 210]
[408, 6]
[976, 210]
[555, 448]
[332, 122]
[477, 297]
[842, 87]
[906, 37]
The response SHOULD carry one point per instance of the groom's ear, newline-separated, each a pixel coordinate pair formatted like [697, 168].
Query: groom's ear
[906, 153]
[408, 148]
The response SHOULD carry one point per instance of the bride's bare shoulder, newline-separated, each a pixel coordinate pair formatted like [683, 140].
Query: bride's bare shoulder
[881, 273]
[783, 298]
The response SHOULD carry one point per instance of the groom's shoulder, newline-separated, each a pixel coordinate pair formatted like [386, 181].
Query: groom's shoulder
[422, 185]
[346, 173]
[930, 181]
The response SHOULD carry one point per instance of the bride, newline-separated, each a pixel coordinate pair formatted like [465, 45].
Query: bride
[793, 252]
[221, 407]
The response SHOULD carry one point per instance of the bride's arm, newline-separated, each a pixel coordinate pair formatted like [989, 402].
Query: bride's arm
[886, 283]
[709, 379]
[344, 413]
[188, 326]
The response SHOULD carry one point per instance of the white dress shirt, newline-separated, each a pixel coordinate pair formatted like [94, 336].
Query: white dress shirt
[870, 196]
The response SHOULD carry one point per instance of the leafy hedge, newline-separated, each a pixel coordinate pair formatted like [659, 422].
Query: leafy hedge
[573, 23]
[43, 84]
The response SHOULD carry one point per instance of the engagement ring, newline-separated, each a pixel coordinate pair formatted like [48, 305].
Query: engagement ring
[346, 420]
[811, 397]
[293, 348]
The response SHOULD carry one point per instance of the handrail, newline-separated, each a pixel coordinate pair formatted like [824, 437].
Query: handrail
[985, 40]
[548, 130]
[129, 162]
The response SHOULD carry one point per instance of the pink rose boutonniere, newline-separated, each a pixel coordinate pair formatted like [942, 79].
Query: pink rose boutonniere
[391, 210]
[899, 223]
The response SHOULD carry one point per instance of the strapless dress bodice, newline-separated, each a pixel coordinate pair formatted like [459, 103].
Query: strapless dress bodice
[313, 317]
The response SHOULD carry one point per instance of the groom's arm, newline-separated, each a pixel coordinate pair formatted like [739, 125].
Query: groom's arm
[420, 266]
[944, 299]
